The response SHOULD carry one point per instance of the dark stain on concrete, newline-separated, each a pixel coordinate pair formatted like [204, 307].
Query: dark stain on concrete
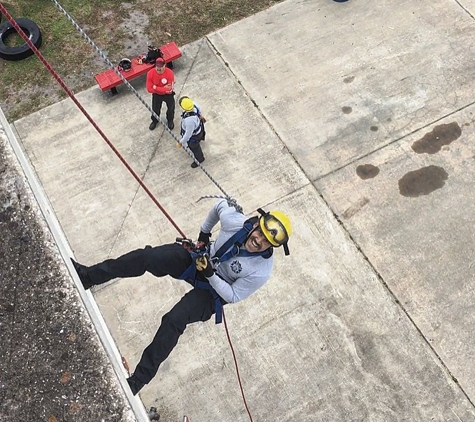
[367, 171]
[346, 109]
[351, 211]
[349, 79]
[433, 141]
[374, 128]
[423, 181]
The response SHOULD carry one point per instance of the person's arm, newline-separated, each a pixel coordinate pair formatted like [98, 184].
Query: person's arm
[163, 90]
[168, 88]
[189, 128]
[240, 289]
[155, 78]
[149, 81]
[212, 219]
[171, 81]
[213, 216]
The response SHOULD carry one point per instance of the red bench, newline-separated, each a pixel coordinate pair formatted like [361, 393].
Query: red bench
[109, 80]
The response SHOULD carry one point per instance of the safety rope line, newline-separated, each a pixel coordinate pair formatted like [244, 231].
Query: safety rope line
[131, 88]
[230, 200]
[78, 104]
[237, 368]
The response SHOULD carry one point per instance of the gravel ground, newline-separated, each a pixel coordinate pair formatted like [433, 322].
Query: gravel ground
[52, 367]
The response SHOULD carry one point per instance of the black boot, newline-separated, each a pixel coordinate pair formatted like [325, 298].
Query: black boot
[194, 165]
[83, 275]
[135, 384]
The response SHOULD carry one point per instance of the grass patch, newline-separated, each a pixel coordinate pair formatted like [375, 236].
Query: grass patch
[119, 28]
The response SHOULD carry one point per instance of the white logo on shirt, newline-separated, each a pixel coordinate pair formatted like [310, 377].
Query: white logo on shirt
[164, 81]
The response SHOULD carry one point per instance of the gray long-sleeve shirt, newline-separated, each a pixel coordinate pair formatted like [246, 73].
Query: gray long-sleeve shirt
[188, 125]
[240, 276]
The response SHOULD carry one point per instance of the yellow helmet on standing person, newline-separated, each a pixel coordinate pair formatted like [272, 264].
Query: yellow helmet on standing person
[276, 228]
[186, 103]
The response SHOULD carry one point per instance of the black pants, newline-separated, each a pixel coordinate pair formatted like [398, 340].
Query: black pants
[196, 305]
[157, 101]
[197, 151]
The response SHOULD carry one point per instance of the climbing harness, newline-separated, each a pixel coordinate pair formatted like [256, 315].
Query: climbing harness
[230, 249]
[199, 133]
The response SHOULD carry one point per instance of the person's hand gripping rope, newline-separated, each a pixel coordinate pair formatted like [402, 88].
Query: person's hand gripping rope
[203, 265]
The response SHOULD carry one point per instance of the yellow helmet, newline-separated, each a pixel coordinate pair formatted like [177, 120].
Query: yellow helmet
[276, 228]
[186, 103]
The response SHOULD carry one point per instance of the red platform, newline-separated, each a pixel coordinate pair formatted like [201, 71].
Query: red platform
[109, 79]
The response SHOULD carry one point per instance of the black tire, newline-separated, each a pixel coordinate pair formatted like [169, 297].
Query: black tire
[23, 51]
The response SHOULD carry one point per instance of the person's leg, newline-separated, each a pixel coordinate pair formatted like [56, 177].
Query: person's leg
[170, 101]
[156, 107]
[197, 152]
[196, 305]
[171, 259]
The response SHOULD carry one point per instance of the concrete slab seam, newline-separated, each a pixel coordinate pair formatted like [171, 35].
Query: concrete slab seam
[273, 130]
[397, 301]
[394, 141]
[465, 9]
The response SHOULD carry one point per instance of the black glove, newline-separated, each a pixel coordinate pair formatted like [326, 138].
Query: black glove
[203, 239]
[203, 265]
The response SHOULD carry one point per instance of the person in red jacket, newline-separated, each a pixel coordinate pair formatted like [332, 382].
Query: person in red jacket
[160, 82]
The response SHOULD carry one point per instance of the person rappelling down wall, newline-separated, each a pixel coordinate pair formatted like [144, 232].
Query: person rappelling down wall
[225, 271]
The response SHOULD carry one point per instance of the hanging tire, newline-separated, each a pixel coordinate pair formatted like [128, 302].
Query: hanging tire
[23, 51]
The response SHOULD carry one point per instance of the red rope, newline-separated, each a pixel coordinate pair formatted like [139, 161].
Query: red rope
[122, 159]
[91, 120]
[237, 368]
